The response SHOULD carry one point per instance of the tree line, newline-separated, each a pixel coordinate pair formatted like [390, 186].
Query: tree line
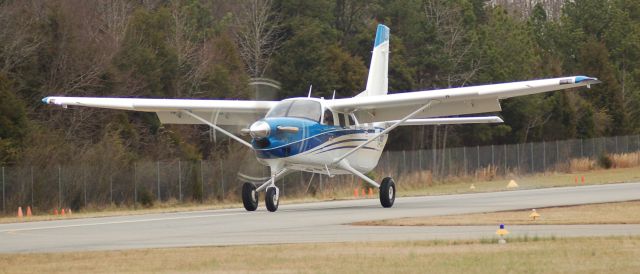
[212, 48]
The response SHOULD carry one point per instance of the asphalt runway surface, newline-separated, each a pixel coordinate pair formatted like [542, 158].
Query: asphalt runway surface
[313, 222]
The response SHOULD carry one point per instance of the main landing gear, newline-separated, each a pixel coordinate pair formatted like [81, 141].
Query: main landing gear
[387, 192]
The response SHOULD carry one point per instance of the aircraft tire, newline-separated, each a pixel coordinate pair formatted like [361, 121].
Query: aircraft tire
[272, 200]
[387, 192]
[249, 197]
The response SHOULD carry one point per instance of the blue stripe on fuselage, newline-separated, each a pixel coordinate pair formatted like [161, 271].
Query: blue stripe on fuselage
[311, 135]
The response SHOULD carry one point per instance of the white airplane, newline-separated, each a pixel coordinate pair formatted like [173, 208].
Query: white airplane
[336, 136]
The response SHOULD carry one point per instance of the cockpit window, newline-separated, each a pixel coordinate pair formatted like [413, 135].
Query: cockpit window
[280, 110]
[306, 109]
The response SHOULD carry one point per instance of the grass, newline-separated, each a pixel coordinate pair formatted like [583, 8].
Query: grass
[520, 255]
[542, 180]
[408, 186]
[605, 213]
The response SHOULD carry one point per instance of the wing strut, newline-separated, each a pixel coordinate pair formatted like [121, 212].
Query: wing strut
[217, 128]
[396, 124]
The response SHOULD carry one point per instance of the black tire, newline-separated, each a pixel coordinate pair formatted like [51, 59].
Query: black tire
[387, 192]
[249, 197]
[271, 199]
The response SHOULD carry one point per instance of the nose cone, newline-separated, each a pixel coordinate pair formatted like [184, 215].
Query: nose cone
[259, 129]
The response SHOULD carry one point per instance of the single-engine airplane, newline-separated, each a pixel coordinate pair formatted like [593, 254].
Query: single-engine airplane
[336, 136]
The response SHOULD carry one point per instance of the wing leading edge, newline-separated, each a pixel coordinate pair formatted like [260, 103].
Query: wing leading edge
[453, 101]
[219, 112]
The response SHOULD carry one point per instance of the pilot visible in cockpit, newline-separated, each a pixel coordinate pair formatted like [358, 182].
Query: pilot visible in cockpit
[328, 117]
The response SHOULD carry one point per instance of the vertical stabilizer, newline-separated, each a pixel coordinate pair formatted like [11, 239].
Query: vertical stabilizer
[377, 82]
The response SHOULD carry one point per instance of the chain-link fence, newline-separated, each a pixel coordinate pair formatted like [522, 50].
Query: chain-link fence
[81, 186]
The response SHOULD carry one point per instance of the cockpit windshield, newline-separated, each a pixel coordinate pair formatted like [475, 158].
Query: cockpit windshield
[306, 109]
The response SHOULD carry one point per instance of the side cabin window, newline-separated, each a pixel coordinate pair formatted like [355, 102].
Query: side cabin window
[328, 117]
[352, 122]
[342, 120]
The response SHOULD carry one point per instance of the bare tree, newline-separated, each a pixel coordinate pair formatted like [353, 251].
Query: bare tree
[457, 44]
[258, 35]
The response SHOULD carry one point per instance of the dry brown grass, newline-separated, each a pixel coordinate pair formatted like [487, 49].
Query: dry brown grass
[606, 213]
[520, 255]
[581, 165]
[625, 160]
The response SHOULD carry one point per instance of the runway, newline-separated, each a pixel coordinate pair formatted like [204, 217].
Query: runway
[312, 222]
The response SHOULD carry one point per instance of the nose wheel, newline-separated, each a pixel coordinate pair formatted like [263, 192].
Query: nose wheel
[272, 199]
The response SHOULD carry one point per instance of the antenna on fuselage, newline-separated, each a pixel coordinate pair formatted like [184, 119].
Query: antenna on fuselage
[310, 88]
[334, 95]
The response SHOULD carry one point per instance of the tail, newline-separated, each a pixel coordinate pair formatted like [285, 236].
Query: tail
[377, 82]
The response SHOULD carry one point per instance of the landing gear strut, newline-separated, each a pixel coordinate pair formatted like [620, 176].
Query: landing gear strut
[387, 192]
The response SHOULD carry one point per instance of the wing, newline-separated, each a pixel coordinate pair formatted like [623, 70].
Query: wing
[219, 112]
[453, 101]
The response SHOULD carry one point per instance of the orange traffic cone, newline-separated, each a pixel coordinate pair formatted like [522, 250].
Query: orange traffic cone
[19, 212]
[55, 212]
[62, 212]
[355, 193]
[370, 192]
[364, 194]
[29, 211]
[583, 179]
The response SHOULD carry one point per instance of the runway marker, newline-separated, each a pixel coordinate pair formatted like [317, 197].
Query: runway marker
[534, 215]
[501, 233]
[124, 222]
[20, 212]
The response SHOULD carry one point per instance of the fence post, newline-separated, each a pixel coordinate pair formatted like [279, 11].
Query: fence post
[3, 197]
[32, 186]
[404, 161]
[84, 184]
[518, 156]
[493, 160]
[505, 158]
[544, 156]
[179, 181]
[478, 157]
[202, 179]
[464, 160]
[59, 186]
[135, 186]
[158, 179]
[617, 144]
[581, 148]
[557, 152]
[532, 170]
[221, 179]
[111, 188]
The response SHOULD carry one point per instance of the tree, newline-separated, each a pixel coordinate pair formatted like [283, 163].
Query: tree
[257, 33]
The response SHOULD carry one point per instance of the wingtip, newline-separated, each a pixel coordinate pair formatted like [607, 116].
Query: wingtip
[582, 78]
[45, 100]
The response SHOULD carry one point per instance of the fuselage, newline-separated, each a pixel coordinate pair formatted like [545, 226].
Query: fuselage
[304, 134]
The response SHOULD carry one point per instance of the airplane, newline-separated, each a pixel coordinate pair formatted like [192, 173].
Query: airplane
[331, 136]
